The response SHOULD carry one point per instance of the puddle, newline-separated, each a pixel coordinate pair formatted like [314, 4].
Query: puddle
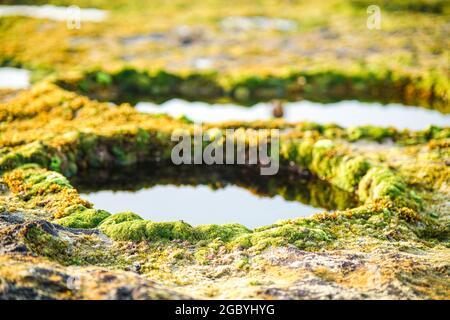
[14, 78]
[215, 194]
[344, 113]
[51, 12]
[199, 205]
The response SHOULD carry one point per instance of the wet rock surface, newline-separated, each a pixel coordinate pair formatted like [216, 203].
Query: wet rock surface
[26, 275]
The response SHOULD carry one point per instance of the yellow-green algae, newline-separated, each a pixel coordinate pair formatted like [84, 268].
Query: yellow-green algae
[398, 237]
[317, 59]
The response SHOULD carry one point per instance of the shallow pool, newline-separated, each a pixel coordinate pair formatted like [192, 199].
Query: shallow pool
[213, 194]
[344, 113]
[200, 204]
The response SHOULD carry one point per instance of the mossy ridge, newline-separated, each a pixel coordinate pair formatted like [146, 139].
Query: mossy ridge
[351, 172]
[148, 140]
[129, 226]
[381, 220]
[405, 137]
[78, 150]
[79, 216]
[426, 6]
[50, 191]
[322, 157]
[321, 86]
[36, 185]
[59, 117]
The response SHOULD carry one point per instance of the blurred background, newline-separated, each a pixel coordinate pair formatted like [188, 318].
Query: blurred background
[249, 51]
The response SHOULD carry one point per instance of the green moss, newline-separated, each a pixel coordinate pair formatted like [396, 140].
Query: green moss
[350, 171]
[103, 78]
[119, 218]
[290, 233]
[142, 138]
[382, 183]
[328, 161]
[320, 85]
[369, 132]
[122, 156]
[41, 184]
[226, 232]
[55, 164]
[139, 230]
[30, 153]
[46, 244]
[304, 152]
[126, 231]
[236, 234]
[427, 6]
[168, 230]
[128, 226]
[81, 217]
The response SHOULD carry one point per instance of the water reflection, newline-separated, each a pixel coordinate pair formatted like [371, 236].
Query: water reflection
[211, 194]
[344, 113]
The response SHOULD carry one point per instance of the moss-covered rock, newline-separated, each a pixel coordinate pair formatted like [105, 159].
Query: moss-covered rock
[382, 183]
[139, 230]
[119, 218]
[226, 232]
[81, 217]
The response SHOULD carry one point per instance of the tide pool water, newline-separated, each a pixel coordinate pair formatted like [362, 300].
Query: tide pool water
[344, 113]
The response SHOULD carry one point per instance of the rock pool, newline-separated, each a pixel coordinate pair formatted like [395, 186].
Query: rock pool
[212, 195]
[344, 113]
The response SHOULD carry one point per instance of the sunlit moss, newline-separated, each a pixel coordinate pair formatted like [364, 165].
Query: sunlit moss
[81, 217]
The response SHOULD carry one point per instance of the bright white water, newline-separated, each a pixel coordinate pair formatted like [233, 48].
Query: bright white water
[344, 113]
[14, 78]
[52, 12]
